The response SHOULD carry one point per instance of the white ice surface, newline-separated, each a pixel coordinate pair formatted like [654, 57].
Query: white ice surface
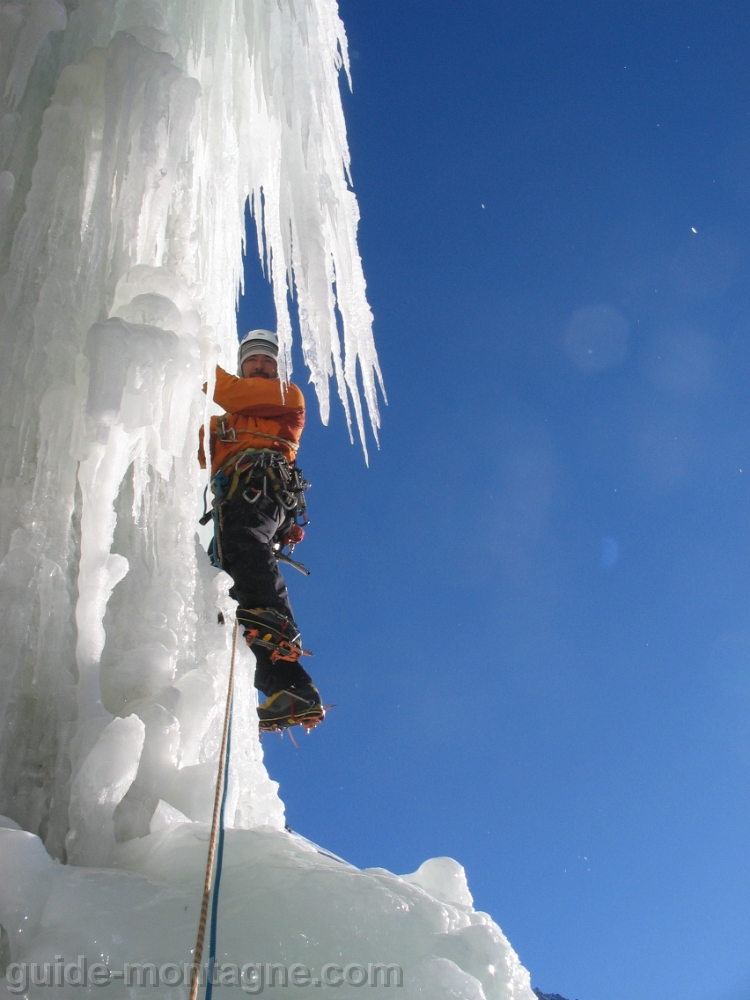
[282, 900]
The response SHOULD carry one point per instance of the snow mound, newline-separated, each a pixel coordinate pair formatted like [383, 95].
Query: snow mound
[282, 901]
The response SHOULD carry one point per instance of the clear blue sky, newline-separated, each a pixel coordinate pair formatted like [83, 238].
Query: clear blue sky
[533, 610]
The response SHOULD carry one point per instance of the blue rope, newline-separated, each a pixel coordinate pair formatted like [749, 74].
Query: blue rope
[219, 861]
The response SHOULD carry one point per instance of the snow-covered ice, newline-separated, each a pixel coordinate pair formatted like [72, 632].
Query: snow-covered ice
[132, 134]
[282, 901]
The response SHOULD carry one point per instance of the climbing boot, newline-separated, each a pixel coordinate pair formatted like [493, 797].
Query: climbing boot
[291, 707]
[271, 630]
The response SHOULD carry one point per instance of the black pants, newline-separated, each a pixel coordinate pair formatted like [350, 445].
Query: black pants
[246, 532]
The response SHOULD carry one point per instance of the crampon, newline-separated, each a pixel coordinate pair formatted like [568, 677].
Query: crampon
[271, 630]
[291, 707]
[308, 722]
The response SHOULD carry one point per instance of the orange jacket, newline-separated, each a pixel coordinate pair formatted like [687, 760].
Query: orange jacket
[256, 417]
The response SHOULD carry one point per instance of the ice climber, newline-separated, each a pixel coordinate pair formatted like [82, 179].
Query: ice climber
[258, 498]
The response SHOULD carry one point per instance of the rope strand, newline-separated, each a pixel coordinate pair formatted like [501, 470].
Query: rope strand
[219, 864]
[218, 811]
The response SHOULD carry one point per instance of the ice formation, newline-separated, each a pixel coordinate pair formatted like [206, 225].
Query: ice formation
[132, 133]
[283, 901]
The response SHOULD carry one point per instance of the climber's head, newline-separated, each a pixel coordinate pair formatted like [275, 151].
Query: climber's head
[257, 355]
[260, 366]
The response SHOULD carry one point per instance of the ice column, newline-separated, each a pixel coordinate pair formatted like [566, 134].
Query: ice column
[132, 133]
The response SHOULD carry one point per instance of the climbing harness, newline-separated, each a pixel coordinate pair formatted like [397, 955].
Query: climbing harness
[217, 832]
[265, 472]
[256, 473]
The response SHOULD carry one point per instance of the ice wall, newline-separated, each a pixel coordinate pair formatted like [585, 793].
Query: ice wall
[132, 132]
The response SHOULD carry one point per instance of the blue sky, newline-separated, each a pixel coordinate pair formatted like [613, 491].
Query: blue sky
[533, 611]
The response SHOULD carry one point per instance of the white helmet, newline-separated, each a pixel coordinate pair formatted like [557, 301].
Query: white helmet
[257, 342]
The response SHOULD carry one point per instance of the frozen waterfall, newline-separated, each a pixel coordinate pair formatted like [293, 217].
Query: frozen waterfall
[132, 134]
